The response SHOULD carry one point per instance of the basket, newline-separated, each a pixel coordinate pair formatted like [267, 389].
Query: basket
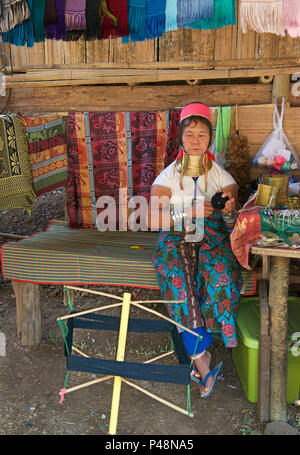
[282, 182]
[266, 196]
[293, 203]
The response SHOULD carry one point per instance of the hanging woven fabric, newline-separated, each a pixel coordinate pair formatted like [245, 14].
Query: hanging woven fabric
[291, 17]
[50, 13]
[92, 18]
[38, 15]
[75, 19]
[136, 21]
[189, 11]
[21, 34]
[263, 16]
[155, 18]
[171, 15]
[224, 14]
[57, 30]
[13, 13]
[114, 19]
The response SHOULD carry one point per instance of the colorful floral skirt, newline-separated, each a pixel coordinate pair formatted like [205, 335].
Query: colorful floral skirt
[206, 275]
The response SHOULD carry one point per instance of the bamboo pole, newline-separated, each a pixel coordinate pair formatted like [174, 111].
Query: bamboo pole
[156, 397]
[120, 357]
[73, 315]
[95, 292]
[165, 317]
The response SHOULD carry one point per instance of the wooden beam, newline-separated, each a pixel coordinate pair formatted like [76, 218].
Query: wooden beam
[123, 98]
[93, 76]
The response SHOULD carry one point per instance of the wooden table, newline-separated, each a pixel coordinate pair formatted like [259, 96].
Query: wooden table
[273, 342]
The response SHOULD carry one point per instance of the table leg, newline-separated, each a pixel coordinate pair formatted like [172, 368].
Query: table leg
[278, 295]
[29, 313]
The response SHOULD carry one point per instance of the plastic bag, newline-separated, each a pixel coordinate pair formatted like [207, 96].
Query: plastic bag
[277, 153]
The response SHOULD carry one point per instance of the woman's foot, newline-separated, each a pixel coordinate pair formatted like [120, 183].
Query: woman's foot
[202, 368]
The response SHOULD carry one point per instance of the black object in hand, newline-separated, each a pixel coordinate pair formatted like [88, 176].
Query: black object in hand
[218, 202]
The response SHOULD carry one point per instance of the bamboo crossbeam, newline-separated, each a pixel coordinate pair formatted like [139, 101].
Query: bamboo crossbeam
[91, 291]
[165, 317]
[156, 397]
[68, 316]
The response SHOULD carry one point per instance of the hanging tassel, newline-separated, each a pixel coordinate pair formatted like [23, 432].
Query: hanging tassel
[114, 21]
[155, 18]
[22, 34]
[291, 17]
[171, 15]
[189, 11]
[38, 14]
[136, 21]
[262, 16]
[75, 14]
[224, 14]
[57, 30]
[92, 17]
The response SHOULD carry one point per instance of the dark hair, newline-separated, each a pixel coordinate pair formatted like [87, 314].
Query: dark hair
[194, 118]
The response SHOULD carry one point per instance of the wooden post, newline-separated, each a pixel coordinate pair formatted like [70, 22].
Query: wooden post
[281, 87]
[29, 313]
[263, 399]
[120, 357]
[278, 294]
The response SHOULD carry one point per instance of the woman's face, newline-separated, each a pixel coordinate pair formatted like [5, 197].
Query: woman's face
[195, 138]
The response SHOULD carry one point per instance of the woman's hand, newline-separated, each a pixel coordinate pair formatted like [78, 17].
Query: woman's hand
[230, 205]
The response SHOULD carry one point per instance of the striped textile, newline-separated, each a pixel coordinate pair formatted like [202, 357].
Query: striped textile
[62, 255]
[47, 146]
[109, 151]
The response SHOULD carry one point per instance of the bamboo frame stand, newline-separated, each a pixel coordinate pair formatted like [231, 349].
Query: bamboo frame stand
[126, 303]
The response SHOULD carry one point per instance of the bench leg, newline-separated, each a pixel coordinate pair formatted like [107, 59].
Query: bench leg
[29, 314]
[263, 402]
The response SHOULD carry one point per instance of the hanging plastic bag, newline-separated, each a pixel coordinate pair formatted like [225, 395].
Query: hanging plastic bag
[277, 153]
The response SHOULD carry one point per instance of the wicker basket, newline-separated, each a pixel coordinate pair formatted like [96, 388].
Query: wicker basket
[267, 196]
[282, 182]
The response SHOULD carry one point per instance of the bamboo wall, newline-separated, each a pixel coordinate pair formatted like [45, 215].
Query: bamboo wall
[227, 47]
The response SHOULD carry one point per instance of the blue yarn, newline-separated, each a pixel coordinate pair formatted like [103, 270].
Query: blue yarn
[224, 14]
[136, 21]
[21, 34]
[189, 11]
[171, 15]
[155, 18]
[193, 344]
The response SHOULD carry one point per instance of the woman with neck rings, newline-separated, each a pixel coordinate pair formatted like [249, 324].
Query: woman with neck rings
[197, 266]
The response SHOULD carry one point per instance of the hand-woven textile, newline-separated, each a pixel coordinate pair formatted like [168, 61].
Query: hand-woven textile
[62, 255]
[13, 12]
[263, 16]
[47, 146]
[109, 151]
[16, 189]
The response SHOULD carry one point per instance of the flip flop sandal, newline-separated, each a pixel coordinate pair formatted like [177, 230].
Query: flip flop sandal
[195, 371]
[215, 373]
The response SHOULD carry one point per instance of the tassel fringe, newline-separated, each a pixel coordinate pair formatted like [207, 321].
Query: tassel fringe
[171, 15]
[137, 22]
[155, 25]
[189, 12]
[263, 17]
[291, 17]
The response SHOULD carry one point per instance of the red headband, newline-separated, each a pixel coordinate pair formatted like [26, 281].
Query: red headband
[195, 109]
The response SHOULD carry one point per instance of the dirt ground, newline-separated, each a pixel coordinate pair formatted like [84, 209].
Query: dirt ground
[31, 377]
